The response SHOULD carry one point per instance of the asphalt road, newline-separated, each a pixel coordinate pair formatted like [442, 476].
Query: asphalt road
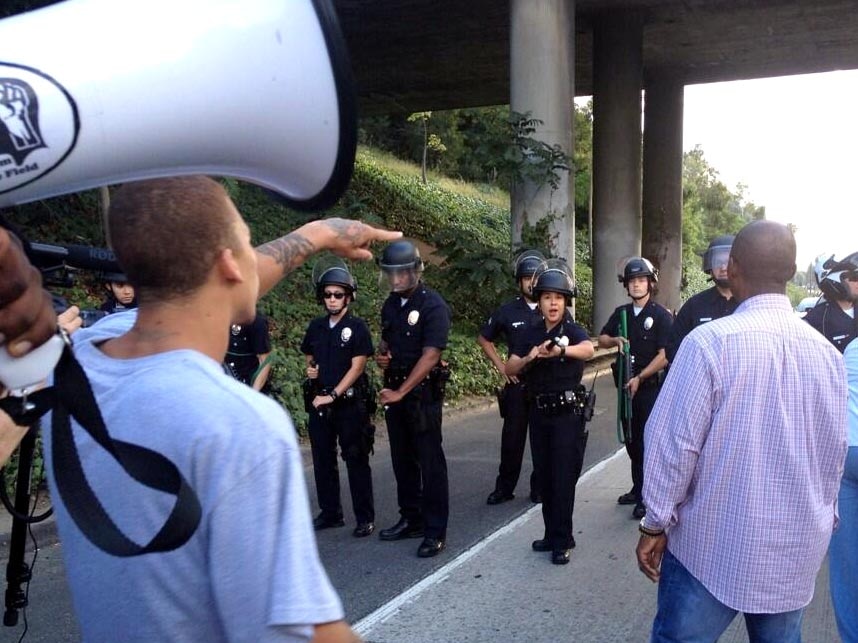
[367, 572]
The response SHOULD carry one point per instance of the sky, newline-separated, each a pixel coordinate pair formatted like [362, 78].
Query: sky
[793, 142]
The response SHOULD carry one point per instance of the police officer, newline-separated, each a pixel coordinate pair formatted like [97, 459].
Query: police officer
[510, 321]
[120, 293]
[550, 359]
[834, 316]
[247, 355]
[415, 323]
[649, 326]
[336, 348]
[712, 303]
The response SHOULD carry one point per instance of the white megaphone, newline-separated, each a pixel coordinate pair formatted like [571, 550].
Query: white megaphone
[95, 92]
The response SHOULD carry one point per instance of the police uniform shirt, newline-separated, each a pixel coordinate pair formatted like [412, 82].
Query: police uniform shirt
[830, 319]
[553, 375]
[112, 305]
[334, 348]
[700, 308]
[422, 321]
[246, 343]
[649, 331]
[510, 321]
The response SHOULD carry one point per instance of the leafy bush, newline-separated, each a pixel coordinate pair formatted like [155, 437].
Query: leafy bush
[470, 265]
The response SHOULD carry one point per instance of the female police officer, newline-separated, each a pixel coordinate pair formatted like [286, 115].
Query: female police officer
[336, 347]
[551, 361]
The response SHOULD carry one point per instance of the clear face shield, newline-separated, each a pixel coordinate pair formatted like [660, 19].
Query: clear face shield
[524, 267]
[398, 279]
[850, 279]
[719, 256]
[553, 276]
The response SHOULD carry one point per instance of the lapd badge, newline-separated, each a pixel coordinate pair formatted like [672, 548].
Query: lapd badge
[648, 322]
[413, 316]
[235, 329]
[346, 335]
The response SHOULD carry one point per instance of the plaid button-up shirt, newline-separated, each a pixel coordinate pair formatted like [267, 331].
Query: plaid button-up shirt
[744, 454]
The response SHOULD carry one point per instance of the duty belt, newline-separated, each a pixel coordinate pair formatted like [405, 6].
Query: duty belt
[349, 394]
[396, 375]
[560, 402]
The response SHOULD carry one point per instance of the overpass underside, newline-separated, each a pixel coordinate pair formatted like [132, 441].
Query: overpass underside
[415, 55]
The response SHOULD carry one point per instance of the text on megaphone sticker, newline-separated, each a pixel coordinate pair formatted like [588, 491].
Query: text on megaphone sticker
[39, 125]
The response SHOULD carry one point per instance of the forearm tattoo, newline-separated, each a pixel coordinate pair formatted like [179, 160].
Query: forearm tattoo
[289, 252]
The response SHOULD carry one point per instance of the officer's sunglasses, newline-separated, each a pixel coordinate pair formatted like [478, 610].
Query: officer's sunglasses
[334, 295]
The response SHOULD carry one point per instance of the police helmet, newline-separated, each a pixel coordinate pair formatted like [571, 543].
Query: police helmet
[637, 267]
[831, 272]
[336, 277]
[554, 275]
[332, 271]
[114, 277]
[718, 252]
[401, 255]
[527, 263]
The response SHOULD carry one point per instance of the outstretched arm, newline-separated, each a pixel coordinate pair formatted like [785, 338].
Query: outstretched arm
[343, 237]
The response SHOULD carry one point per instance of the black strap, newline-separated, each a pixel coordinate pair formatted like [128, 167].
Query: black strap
[74, 398]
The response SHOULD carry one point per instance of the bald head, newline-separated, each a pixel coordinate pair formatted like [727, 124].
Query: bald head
[763, 258]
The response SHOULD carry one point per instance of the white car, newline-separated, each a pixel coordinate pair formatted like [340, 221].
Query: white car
[806, 304]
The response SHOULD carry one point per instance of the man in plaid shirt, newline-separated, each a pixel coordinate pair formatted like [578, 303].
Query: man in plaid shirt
[744, 455]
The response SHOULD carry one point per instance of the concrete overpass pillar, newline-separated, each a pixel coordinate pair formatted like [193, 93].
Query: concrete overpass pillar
[542, 74]
[662, 184]
[617, 77]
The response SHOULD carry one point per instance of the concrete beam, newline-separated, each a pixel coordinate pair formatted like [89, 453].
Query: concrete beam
[542, 67]
[617, 78]
[662, 184]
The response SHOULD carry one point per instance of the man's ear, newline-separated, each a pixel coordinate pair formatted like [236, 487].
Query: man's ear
[228, 267]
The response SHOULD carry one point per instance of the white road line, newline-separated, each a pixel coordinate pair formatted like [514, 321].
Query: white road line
[390, 608]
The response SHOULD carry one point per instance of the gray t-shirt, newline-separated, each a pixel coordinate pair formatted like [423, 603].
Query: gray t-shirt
[251, 572]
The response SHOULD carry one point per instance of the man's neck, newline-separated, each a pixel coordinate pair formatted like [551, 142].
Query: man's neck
[641, 301]
[188, 323]
[845, 304]
[725, 292]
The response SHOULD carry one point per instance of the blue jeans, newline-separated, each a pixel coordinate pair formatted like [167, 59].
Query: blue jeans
[843, 553]
[687, 612]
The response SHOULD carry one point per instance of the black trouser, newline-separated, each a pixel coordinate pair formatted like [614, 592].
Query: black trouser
[558, 443]
[347, 421]
[414, 430]
[642, 404]
[513, 439]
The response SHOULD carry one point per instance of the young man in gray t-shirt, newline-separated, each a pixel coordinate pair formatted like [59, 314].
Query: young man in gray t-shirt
[251, 570]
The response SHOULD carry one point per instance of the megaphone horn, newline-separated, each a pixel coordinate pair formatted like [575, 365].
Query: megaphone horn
[95, 92]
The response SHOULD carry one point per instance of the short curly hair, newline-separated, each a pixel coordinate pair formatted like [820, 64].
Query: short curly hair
[167, 233]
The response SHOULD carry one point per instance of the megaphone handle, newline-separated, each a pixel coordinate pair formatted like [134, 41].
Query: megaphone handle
[21, 374]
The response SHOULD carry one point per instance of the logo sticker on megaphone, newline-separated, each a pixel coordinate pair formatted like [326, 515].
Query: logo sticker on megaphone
[99, 92]
[25, 154]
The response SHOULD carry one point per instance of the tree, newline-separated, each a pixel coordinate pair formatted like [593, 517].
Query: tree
[430, 141]
[709, 209]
